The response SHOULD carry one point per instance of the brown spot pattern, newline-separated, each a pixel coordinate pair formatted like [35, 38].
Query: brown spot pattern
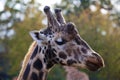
[62, 55]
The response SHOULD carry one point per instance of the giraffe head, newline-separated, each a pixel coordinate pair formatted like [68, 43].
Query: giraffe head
[63, 40]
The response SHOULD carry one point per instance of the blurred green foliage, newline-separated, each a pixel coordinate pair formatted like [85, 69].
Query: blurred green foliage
[96, 28]
[20, 43]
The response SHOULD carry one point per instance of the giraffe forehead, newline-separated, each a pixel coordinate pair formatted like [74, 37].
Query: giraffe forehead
[49, 34]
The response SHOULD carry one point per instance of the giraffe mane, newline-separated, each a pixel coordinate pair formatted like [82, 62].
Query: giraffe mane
[27, 57]
[29, 53]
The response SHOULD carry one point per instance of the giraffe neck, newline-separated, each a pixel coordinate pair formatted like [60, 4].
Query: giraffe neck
[35, 66]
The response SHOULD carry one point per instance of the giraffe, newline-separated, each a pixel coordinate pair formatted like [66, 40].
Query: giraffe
[75, 74]
[58, 43]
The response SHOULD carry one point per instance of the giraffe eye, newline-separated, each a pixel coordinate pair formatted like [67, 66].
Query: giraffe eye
[60, 41]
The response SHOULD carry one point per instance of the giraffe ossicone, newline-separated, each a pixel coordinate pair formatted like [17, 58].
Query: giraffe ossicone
[58, 43]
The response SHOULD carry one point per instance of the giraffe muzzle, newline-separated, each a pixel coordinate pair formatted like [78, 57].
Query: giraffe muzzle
[95, 63]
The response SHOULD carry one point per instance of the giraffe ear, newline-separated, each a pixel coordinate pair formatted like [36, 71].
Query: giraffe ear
[35, 35]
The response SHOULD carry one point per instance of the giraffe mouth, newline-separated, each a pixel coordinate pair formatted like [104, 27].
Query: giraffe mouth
[92, 66]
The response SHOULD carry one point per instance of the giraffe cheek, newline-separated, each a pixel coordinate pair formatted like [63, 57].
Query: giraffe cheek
[69, 52]
[71, 62]
[62, 55]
